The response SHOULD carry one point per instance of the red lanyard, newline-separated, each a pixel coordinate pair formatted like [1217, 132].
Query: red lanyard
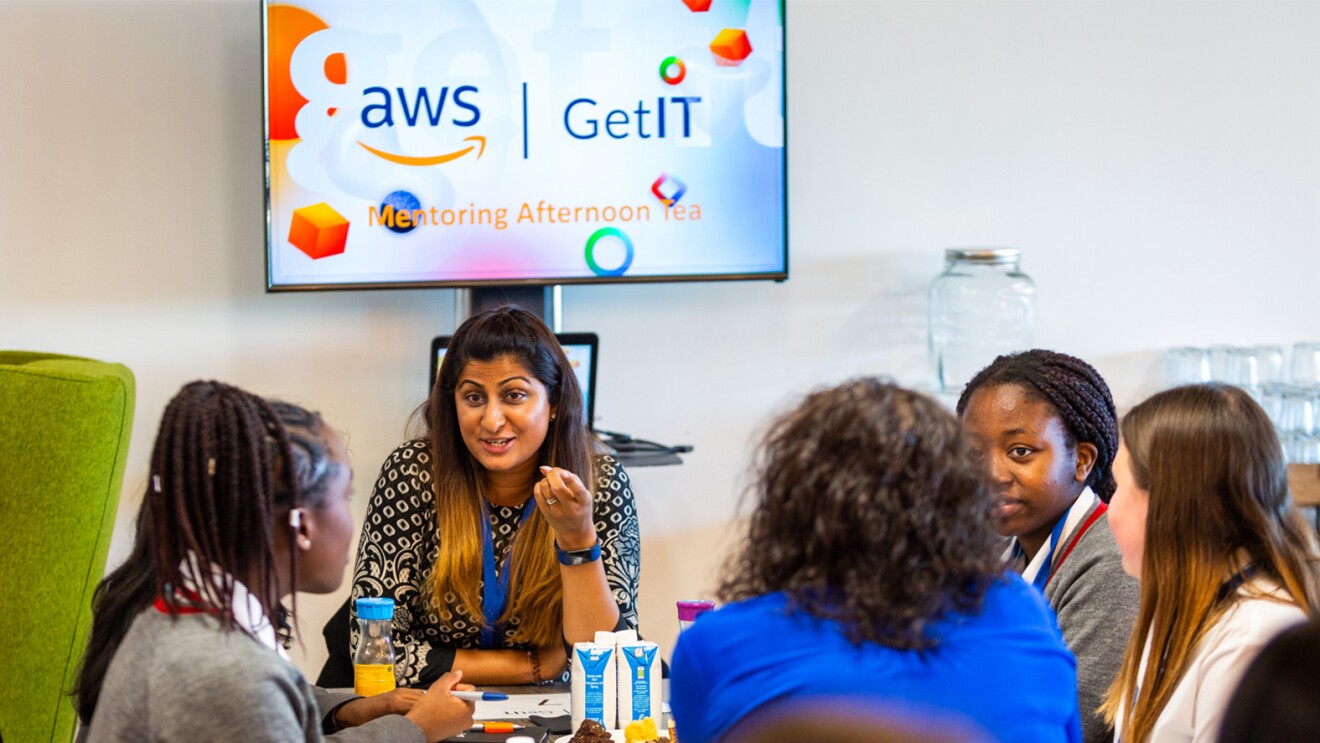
[198, 604]
[1077, 537]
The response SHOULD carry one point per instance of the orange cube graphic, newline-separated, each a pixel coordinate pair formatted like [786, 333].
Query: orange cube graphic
[697, 6]
[731, 47]
[318, 230]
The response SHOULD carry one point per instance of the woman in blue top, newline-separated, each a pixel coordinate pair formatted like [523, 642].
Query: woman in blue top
[871, 576]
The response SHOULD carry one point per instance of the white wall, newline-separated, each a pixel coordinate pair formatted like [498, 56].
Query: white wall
[1157, 162]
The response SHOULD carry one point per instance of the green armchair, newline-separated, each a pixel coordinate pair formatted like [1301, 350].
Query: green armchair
[64, 430]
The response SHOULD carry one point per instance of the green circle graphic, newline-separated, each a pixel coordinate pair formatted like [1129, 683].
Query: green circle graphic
[591, 249]
[682, 70]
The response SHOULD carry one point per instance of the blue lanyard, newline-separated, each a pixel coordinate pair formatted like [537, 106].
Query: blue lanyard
[1231, 585]
[494, 590]
[1043, 575]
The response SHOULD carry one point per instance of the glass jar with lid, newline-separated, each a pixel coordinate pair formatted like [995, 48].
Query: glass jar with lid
[980, 307]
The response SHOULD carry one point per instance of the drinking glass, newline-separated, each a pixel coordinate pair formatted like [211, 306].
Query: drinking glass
[1271, 399]
[1297, 412]
[1186, 365]
[1269, 358]
[1301, 449]
[1306, 363]
[1242, 369]
[1218, 361]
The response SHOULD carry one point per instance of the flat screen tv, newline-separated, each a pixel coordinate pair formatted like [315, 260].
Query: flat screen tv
[504, 142]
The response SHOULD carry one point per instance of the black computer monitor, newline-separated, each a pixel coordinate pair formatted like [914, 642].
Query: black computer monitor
[582, 350]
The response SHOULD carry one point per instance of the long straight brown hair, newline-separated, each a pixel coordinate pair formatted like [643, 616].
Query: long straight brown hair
[536, 594]
[1218, 485]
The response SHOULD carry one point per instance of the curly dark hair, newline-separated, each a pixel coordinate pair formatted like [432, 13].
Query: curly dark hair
[869, 511]
[1076, 391]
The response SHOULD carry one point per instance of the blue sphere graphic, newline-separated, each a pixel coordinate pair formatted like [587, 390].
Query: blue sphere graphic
[402, 201]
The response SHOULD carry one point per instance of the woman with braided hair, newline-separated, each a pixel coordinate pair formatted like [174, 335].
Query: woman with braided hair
[1044, 426]
[246, 504]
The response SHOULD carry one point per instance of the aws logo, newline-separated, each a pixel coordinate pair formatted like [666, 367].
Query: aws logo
[422, 107]
[323, 77]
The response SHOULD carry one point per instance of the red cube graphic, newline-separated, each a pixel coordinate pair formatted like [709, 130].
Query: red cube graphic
[731, 47]
[318, 231]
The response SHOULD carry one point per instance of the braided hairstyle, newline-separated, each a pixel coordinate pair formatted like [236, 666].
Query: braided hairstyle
[226, 468]
[1078, 394]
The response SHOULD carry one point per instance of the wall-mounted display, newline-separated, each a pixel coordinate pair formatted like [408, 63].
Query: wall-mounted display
[471, 142]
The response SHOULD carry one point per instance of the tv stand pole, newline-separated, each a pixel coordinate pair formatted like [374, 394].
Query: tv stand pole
[545, 301]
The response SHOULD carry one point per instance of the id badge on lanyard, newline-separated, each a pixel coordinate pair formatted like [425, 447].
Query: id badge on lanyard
[495, 589]
[1043, 575]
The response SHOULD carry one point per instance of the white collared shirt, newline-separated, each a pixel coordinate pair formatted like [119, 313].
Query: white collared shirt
[248, 613]
[1073, 519]
[1196, 707]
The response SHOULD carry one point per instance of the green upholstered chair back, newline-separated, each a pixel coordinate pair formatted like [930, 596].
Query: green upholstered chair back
[64, 430]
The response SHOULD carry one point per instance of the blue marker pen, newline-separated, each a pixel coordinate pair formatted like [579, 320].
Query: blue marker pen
[479, 696]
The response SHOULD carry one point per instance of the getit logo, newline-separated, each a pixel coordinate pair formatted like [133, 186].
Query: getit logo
[318, 61]
[619, 123]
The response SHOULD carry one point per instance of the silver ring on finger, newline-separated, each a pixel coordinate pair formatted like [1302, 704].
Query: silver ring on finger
[551, 501]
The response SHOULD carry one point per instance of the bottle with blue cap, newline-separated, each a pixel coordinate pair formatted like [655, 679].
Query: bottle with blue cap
[373, 660]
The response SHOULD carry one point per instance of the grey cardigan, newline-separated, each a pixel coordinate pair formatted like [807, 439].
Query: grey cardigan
[187, 680]
[1097, 605]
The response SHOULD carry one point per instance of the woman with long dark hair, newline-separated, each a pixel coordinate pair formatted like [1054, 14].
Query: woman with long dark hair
[247, 503]
[1204, 520]
[499, 532]
[870, 574]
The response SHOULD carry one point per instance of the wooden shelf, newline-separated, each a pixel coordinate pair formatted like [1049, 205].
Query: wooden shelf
[1304, 482]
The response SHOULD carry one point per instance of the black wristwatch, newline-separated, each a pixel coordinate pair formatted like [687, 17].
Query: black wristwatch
[578, 557]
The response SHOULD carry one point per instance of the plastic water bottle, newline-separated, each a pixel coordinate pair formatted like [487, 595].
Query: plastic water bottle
[980, 307]
[373, 660]
[688, 611]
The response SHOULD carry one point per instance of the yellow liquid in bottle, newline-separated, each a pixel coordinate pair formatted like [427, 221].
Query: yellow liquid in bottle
[372, 679]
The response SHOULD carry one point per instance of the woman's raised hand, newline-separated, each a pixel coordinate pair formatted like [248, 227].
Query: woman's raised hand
[567, 506]
[440, 714]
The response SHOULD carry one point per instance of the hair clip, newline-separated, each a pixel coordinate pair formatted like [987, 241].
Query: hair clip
[295, 518]
[155, 483]
[210, 467]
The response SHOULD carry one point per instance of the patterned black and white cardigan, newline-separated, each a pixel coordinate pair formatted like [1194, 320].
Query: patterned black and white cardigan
[399, 544]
